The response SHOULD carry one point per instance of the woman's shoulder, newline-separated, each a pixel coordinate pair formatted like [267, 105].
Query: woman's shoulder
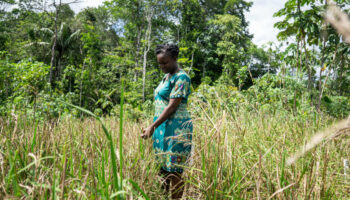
[180, 76]
[183, 75]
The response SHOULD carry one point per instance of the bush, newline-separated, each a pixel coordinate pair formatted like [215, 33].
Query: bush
[336, 106]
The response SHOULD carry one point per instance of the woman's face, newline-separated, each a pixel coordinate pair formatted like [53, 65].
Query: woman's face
[166, 63]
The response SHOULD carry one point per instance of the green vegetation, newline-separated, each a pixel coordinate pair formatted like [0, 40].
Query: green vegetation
[76, 88]
[241, 150]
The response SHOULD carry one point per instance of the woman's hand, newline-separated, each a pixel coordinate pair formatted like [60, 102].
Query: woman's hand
[148, 132]
[167, 112]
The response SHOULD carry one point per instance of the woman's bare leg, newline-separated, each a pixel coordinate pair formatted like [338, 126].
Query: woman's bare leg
[175, 180]
[177, 185]
[165, 181]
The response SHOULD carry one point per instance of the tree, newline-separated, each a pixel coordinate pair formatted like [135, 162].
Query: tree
[149, 15]
[310, 32]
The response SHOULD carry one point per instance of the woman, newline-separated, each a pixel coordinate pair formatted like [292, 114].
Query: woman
[172, 127]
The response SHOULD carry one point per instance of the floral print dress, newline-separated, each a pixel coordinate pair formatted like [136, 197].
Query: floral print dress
[172, 139]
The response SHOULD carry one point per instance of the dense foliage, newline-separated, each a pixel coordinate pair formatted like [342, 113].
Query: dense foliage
[49, 53]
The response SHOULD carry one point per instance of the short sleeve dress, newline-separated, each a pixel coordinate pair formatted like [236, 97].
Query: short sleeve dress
[173, 138]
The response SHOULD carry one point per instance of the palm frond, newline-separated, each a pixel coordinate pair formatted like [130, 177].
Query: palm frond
[37, 43]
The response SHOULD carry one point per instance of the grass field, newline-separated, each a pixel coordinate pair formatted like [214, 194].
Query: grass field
[238, 154]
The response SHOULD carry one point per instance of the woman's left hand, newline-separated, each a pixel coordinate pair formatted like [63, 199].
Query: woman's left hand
[148, 132]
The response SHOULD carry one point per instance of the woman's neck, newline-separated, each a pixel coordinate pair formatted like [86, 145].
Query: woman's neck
[176, 69]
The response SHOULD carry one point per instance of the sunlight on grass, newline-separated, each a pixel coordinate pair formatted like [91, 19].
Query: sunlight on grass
[238, 154]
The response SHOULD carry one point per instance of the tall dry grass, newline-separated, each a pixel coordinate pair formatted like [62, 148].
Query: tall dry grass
[238, 154]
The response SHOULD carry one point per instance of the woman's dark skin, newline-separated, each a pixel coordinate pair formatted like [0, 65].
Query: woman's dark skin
[169, 65]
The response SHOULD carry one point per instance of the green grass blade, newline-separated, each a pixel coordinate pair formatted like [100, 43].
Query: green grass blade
[111, 145]
[117, 194]
[33, 163]
[137, 187]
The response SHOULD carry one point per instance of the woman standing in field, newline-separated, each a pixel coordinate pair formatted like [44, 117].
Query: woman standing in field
[172, 127]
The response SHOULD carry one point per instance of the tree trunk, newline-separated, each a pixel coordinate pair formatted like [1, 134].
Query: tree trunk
[320, 75]
[149, 16]
[308, 67]
[341, 75]
[192, 56]
[299, 41]
[324, 84]
[81, 81]
[54, 43]
[297, 59]
[138, 43]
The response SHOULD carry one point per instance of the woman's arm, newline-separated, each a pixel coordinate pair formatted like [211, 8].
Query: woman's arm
[167, 112]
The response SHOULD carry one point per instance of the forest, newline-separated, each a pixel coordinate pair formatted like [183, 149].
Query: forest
[270, 121]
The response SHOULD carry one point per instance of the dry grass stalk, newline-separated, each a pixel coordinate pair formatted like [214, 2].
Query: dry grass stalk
[341, 126]
[281, 190]
[243, 150]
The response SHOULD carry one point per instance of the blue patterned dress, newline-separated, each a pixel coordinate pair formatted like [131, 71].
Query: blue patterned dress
[172, 139]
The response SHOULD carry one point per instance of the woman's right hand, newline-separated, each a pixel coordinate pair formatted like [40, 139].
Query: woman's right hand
[148, 132]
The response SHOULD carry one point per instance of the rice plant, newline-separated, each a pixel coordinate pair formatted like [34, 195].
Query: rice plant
[238, 154]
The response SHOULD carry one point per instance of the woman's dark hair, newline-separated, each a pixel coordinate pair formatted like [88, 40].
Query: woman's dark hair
[169, 49]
